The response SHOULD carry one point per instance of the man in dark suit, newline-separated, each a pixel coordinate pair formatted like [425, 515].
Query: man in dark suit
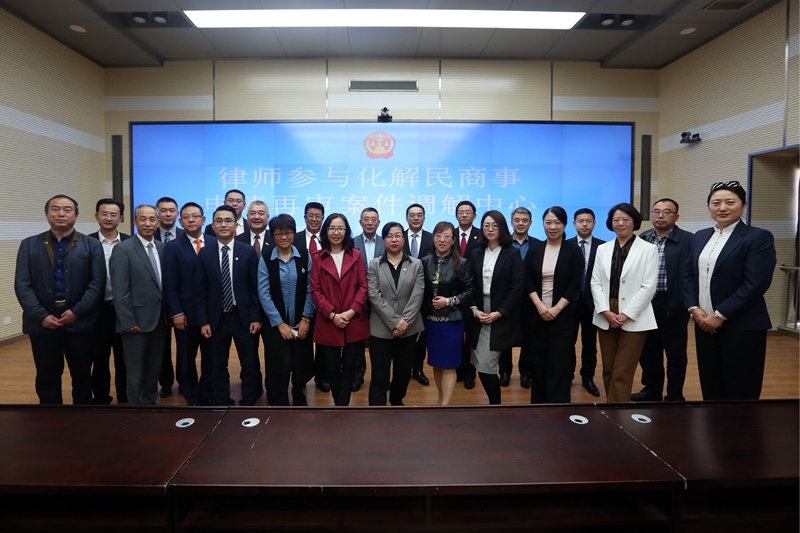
[308, 240]
[59, 282]
[235, 199]
[671, 337]
[584, 221]
[371, 246]
[228, 308]
[466, 238]
[136, 280]
[181, 265]
[418, 243]
[521, 223]
[167, 232]
[108, 213]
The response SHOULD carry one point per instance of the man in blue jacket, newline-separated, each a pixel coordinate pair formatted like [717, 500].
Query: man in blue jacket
[60, 280]
[674, 246]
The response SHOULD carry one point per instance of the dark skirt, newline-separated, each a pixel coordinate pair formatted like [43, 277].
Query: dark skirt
[444, 340]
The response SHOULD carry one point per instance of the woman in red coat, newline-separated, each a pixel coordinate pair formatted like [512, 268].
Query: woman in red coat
[339, 290]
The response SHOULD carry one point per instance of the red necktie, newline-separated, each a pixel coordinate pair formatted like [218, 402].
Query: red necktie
[257, 246]
[313, 246]
[463, 243]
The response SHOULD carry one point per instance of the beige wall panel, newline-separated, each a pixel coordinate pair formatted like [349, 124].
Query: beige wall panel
[495, 90]
[688, 172]
[739, 71]
[588, 79]
[44, 78]
[774, 206]
[51, 141]
[270, 90]
[175, 78]
[346, 105]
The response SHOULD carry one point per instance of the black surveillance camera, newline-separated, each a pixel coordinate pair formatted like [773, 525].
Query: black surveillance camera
[385, 116]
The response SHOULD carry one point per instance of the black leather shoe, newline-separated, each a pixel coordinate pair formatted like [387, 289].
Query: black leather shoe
[166, 392]
[469, 383]
[505, 379]
[589, 385]
[420, 376]
[324, 386]
[357, 384]
[525, 382]
[644, 396]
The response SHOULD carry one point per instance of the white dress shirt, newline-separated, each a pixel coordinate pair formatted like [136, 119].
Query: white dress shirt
[706, 263]
[489, 260]
[108, 247]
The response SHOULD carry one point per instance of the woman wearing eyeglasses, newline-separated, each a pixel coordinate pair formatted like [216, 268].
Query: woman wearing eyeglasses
[284, 284]
[339, 290]
[448, 292]
[500, 285]
[396, 287]
[728, 271]
[553, 275]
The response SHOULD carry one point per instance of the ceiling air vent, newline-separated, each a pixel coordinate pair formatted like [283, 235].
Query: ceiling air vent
[381, 86]
[727, 5]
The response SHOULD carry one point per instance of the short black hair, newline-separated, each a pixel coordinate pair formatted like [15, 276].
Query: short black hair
[109, 201]
[56, 197]
[282, 221]
[227, 209]
[166, 199]
[502, 226]
[466, 202]
[347, 243]
[733, 186]
[192, 204]
[415, 205]
[629, 210]
[677, 207]
[236, 191]
[314, 205]
[583, 211]
[558, 211]
[388, 227]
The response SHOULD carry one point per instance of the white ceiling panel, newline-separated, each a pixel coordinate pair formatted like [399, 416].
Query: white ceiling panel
[599, 42]
[521, 44]
[453, 42]
[314, 42]
[383, 42]
[245, 42]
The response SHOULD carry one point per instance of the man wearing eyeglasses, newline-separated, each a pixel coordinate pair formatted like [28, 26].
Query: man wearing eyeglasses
[308, 239]
[228, 308]
[108, 213]
[235, 199]
[674, 246]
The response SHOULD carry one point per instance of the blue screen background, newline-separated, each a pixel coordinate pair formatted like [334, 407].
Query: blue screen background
[494, 165]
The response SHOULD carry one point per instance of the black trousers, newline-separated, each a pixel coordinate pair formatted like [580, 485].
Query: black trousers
[467, 369]
[420, 351]
[731, 363]
[670, 337]
[108, 339]
[582, 319]
[230, 328]
[383, 353]
[285, 361]
[551, 347]
[506, 364]
[195, 391]
[340, 368]
[49, 352]
[167, 375]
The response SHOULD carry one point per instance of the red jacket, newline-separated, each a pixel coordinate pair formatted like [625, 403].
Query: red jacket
[332, 294]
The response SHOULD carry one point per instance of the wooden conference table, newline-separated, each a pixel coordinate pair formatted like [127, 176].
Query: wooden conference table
[646, 467]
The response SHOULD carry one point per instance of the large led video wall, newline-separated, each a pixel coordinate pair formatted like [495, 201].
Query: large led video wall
[348, 166]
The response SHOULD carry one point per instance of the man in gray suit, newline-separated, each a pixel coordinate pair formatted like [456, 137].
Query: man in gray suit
[135, 268]
[370, 246]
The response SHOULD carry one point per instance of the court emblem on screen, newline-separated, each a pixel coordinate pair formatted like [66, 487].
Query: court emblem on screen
[379, 145]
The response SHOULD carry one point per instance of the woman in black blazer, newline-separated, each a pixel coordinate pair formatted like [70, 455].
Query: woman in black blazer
[499, 281]
[553, 274]
[729, 269]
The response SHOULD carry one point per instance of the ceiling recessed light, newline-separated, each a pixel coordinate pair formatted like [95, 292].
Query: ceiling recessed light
[76, 28]
[687, 31]
[160, 17]
[607, 20]
[383, 18]
[626, 20]
[140, 17]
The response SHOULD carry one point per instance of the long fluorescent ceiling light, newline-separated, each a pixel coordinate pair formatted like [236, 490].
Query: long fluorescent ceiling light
[383, 18]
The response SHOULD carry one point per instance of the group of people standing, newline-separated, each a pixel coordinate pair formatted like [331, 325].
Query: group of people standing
[463, 295]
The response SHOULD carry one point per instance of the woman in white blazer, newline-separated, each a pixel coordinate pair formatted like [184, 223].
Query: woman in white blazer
[623, 284]
[396, 285]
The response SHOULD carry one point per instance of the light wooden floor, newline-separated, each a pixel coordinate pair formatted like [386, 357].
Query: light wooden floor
[780, 380]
